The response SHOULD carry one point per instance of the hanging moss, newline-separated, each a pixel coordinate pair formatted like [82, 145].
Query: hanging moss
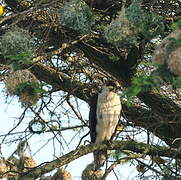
[174, 61]
[62, 174]
[77, 15]
[17, 46]
[89, 173]
[29, 92]
[14, 78]
[148, 25]
[167, 55]
[120, 32]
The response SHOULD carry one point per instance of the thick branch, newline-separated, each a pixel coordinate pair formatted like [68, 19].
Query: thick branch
[18, 5]
[83, 150]
[60, 81]
[165, 125]
[100, 58]
[168, 131]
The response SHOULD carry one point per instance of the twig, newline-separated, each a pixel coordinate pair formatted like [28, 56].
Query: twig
[23, 13]
[75, 111]
[19, 122]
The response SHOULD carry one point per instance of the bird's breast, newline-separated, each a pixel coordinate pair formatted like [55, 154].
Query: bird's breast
[108, 112]
[109, 102]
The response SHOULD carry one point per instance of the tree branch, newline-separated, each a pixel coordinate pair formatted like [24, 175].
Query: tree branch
[100, 58]
[160, 125]
[165, 121]
[60, 81]
[164, 124]
[18, 5]
[133, 146]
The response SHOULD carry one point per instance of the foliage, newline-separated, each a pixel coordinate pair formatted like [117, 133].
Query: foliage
[177, 82]
[77, 15]
[122, 157]
[148, 25]
[163, 72]
[134, 23]
[14, 78]
[176, 25]
[114, 58]
[72, 67]
[142, 83]
[29, 92]
[120, 32]
[17, 42]
[17, 61]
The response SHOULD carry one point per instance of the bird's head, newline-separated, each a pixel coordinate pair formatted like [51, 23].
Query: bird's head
[110, 86]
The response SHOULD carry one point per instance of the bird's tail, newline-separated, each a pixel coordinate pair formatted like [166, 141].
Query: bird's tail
[100, 158]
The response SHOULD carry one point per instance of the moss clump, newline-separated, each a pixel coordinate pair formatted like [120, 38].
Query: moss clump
[17, 46]
[16, 41]
[89, 173]
[28, 92]
[148, 25]
[62, 174]
[77, 15]
[15, 78]
[120, 32]
[166, 47]
[168, 55]
[133, 24]
[25, 85]
[174, 61]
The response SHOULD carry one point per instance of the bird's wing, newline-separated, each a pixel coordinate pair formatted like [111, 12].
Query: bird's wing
[93, 118]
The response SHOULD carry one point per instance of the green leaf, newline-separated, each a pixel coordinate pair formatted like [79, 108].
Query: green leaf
[19, 59]
[114, 58]
[177, 82]
[29, 92]
[133, 91]
[142, 83]
[176, 25]
[163, 72]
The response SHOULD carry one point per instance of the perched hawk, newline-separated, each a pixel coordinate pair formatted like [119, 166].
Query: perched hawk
[104, 115]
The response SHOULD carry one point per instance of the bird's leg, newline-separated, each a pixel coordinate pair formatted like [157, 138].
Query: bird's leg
[108, 142]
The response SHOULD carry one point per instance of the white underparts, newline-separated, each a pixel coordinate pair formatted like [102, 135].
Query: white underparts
[108, 114]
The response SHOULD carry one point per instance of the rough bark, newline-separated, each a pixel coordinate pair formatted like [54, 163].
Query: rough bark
[133, 146]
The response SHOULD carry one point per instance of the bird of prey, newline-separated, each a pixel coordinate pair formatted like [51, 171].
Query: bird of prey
[104, 114]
